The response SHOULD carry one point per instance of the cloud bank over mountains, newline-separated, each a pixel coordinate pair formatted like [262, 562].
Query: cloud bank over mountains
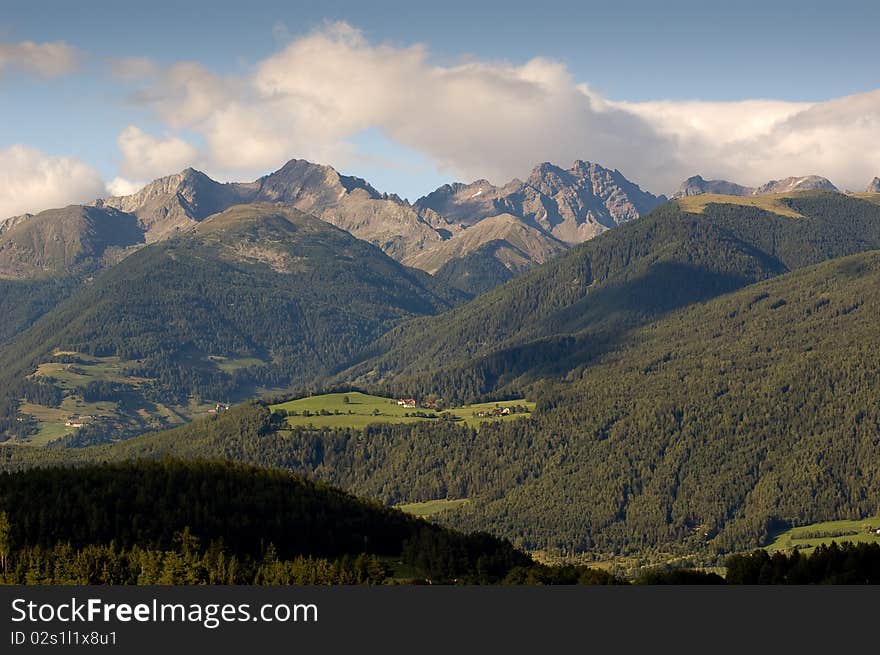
[473, 119]
[31, 181]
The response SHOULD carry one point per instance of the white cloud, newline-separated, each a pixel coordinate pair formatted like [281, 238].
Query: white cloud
[119, 186]
[752, 141]
[133, 68]
[32, 181]
[496, 119]
[146, 156]
[45, 59]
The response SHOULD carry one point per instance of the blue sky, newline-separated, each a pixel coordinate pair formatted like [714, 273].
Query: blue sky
[799, 54]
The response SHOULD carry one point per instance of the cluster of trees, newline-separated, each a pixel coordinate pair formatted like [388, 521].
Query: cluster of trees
[41, 392]
[103, 564]
[847, 563]
[146, 520]
[98, 390]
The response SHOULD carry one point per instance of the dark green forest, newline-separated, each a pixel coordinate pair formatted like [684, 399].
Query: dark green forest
[702, 381]
[120, 524]
[703, 432]
[259, 516]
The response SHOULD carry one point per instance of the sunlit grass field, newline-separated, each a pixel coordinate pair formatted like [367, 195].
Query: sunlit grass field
[807, 537]
[363, 409]
[431, 507]
[771, 203]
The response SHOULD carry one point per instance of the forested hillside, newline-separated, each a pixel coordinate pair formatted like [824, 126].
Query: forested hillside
[705, 431]
[577, 306]
[179, 522]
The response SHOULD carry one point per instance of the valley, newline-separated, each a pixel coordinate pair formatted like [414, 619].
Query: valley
[635, 399]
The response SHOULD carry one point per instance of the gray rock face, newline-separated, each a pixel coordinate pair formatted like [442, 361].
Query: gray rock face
[874, 186]
[696, 185]
[175, 202]
[349, 203]
[10, 222]
[181, 201]
[571, 205]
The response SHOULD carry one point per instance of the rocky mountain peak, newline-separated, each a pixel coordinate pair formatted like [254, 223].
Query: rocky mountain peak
[874, 186]
[789, 184]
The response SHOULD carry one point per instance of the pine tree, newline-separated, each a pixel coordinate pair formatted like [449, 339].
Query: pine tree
[5, 542]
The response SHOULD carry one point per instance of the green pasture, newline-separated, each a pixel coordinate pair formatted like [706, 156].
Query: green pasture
[363, 409]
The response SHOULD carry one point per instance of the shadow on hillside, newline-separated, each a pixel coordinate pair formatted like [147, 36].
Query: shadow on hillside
[603, 320]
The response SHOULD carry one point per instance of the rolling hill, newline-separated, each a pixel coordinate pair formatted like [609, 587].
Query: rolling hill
[221, 523]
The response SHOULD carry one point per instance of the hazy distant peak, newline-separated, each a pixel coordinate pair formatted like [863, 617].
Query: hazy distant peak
[789, 184]
[697, 185]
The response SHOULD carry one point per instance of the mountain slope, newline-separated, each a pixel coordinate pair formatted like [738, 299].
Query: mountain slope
[561, 315]
[702, 432]
[68, 241]
[45, 257]
[514, 245]
[254, 296]
[349, 203]
[180, 201]
[874, 186]
[712, 427]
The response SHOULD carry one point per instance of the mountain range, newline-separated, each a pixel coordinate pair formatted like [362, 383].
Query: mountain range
[702, 381]
[700, 368]
[555, 207]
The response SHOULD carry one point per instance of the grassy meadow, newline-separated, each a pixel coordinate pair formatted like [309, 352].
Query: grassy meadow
[363, 409]
[807, 537]
[431, 507]
[770, 202]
